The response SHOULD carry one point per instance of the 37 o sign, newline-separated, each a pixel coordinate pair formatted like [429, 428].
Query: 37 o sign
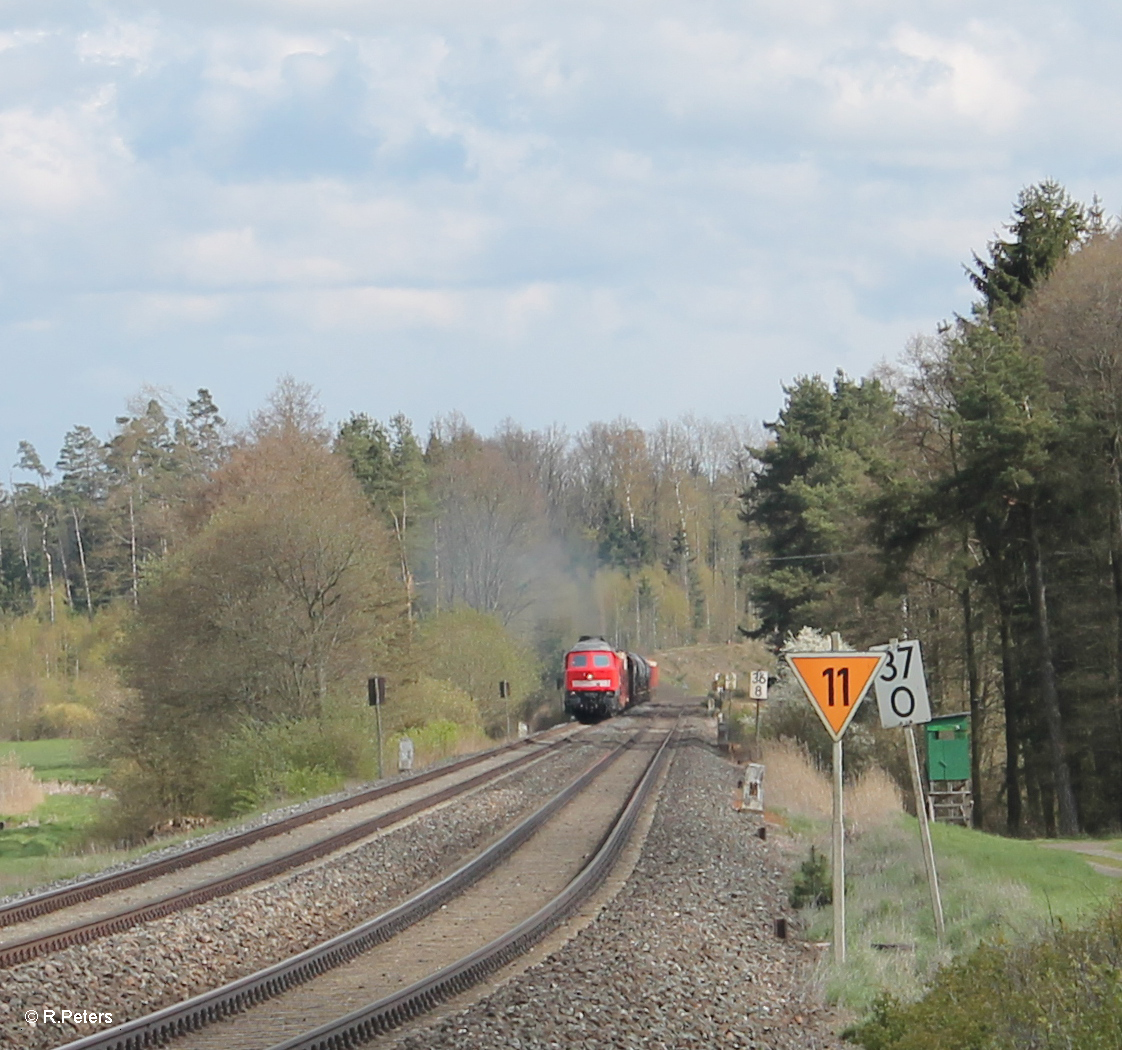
[901, 687]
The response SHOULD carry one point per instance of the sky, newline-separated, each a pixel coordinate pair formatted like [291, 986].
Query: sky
[553, 212]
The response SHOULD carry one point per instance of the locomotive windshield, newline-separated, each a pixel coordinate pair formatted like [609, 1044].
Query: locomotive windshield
[601, 660]
[578, 660]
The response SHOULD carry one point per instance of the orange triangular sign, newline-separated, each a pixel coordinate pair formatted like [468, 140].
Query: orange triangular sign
[836, 683]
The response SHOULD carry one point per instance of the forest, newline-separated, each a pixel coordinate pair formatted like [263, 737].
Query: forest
[189, 593]
[198, 597]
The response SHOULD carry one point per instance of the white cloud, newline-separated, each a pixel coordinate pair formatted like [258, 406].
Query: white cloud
[427, 202]
[47, 161]
[118, 43]
[236, 257]
[155, 313]
[373, 309]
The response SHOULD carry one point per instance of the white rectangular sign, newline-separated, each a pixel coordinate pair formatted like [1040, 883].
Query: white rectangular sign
[901, 687]
[757, 687]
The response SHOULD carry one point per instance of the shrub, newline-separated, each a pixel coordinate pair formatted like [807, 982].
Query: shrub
[812, 883]
[1061, 991]
[260, 764]
[65, 720]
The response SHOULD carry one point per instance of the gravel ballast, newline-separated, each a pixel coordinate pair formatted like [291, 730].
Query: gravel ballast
[252, 823]
[171, 959]
[684, 956]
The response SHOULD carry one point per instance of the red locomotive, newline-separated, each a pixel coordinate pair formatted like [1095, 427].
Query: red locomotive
[601, 681]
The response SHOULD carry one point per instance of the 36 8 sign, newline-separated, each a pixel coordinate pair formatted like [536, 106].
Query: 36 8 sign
[901, 687]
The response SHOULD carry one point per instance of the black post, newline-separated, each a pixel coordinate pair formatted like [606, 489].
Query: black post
[376, 696]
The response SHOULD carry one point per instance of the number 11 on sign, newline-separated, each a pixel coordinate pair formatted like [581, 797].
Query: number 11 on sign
[843, 678]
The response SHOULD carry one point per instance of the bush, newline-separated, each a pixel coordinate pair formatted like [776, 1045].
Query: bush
[426, 700]
[1061, 991]
[261, 764]
[65, 720]
[812, 883]
[474, 652]
[434, 741]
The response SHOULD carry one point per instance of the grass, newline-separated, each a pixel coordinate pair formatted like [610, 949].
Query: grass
[993, 888]
[1060, 883]
[61, 759]
[53, 847]
[693, 666]
[61, 823]
[61, 846]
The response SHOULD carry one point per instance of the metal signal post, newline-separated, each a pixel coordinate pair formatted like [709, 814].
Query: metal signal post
[901, 690]
[839, 829]
[835, 683]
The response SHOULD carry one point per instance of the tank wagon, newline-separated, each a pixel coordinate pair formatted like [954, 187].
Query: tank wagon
[601, 681]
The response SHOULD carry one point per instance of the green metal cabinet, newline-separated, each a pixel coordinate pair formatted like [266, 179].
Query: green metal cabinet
[948, 747]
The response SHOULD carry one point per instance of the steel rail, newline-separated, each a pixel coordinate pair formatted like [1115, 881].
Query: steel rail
[395, 1010]
[101, 885]
[82, 933]
[156, 1028]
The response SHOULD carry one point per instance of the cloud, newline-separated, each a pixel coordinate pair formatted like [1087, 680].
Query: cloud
[48, 162]
[466, 204]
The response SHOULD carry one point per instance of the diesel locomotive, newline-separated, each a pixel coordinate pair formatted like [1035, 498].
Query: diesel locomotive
[601, 681]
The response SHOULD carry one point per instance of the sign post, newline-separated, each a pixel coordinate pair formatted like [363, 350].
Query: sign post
[757, 690]
[504, 694]
[836, 682]
[376, 695]
[901, 690]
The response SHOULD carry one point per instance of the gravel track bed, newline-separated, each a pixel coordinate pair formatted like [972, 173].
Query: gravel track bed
[163, 962]
[250, 824]
[684, 956]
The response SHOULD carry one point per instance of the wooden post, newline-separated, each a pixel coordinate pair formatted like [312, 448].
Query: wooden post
[838, 858]
[925, 835]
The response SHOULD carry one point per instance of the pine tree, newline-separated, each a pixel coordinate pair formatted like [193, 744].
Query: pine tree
[1046, 224]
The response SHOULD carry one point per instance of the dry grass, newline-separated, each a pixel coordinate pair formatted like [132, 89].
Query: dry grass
[795, 785]
[693, 666]
[872, 801]
[20, 792]
[792, 783]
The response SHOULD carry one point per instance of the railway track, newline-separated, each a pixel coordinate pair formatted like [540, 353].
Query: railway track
[82, 932]
[466, 898]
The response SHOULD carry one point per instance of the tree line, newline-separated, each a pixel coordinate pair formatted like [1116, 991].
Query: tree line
[242, 583]
[635, 531]
[972, 496]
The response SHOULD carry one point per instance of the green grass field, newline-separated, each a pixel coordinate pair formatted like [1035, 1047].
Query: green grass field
[1061, 884]
[60, 824]
[993, 889]
[54, 759]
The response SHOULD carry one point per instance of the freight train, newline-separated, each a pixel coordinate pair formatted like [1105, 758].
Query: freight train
[601, 681]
